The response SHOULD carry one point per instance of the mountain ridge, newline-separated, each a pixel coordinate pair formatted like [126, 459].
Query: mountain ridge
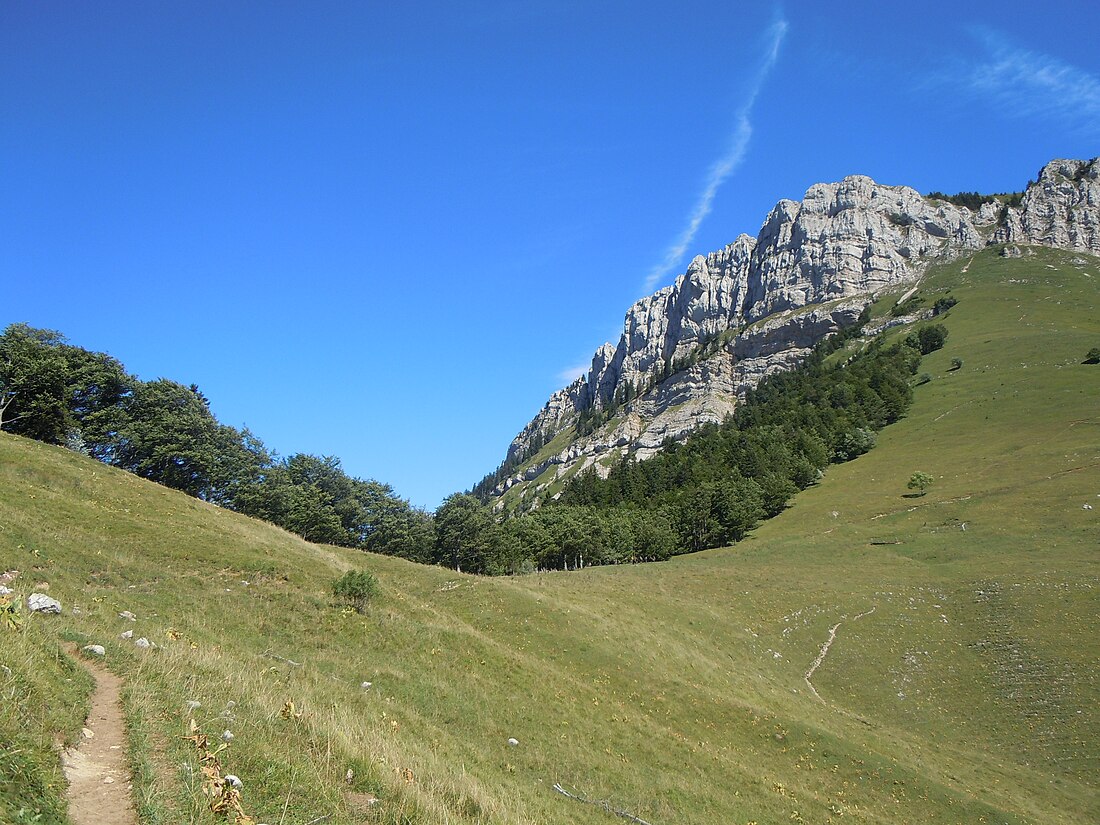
[692, 349]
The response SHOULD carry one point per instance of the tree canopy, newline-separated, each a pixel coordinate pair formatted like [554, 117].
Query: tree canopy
[164, 431]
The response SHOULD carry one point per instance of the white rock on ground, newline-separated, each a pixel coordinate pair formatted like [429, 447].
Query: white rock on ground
[95, 650]
[126, 634]
[41, 603]
[143, 642]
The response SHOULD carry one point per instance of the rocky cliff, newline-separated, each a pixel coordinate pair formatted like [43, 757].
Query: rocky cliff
[1062, 208]
[690, 351]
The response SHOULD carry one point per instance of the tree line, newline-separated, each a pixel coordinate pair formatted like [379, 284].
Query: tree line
[164, 431]
[705, 491]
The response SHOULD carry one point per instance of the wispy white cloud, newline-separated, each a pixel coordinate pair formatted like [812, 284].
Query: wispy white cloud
[571, 374]
[1028, 84]
[725, 165]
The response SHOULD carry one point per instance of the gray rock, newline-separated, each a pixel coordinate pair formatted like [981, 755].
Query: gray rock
[1061, 209]
[95, 650]
[128, 616]
[41, 603]
[126, 634]
[143, 642]
[5, 591]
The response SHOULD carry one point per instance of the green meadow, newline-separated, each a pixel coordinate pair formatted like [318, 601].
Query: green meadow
[952, 639]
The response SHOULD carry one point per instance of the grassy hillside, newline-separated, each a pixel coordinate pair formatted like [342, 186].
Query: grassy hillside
[961, 683]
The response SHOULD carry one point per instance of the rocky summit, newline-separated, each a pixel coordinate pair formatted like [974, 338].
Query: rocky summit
[690, 351]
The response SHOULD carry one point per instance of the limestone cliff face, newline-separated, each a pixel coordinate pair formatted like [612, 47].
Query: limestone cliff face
[691, 350]
[1060, 209]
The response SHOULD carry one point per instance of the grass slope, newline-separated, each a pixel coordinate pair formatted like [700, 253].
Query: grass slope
[961, 684]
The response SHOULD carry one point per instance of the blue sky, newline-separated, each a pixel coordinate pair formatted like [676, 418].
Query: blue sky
[388, 231]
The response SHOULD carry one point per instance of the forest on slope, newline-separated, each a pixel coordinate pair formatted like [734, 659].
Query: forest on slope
[704, 492]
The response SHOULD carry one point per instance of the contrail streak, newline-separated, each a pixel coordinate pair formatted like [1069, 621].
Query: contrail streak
[725, 165]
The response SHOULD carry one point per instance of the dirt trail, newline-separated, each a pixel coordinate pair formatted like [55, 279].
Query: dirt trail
[96, 769]
[825, 649]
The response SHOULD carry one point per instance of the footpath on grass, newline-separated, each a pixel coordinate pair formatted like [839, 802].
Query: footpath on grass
[99, 790]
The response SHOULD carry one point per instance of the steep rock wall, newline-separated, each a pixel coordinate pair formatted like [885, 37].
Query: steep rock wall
[811, 269]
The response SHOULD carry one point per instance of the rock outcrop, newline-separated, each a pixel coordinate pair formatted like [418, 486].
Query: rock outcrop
[1062, 209]
[690, 351]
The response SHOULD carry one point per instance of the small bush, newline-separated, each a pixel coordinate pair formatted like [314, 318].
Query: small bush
[956, 364]
[920, 482]
[9, 614]
[1093, 356]
[355, 588]
[928, 338]
[943, 304]
[909, 305]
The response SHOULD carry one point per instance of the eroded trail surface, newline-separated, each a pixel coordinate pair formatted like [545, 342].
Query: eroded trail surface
[97, 770]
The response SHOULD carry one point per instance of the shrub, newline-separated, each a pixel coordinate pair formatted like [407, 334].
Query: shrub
[355, 588]
[9, 614]
[943, 304]
[928, 338]
[956, 363]
[908, 305]
[1093, 356]
[920, 481]
[854, 444]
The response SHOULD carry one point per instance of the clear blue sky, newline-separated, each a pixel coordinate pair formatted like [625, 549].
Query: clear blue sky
[388, 231]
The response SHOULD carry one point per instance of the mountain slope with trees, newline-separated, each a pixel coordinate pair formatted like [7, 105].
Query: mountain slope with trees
[703, 493]
[868, 655]
[689, 353]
